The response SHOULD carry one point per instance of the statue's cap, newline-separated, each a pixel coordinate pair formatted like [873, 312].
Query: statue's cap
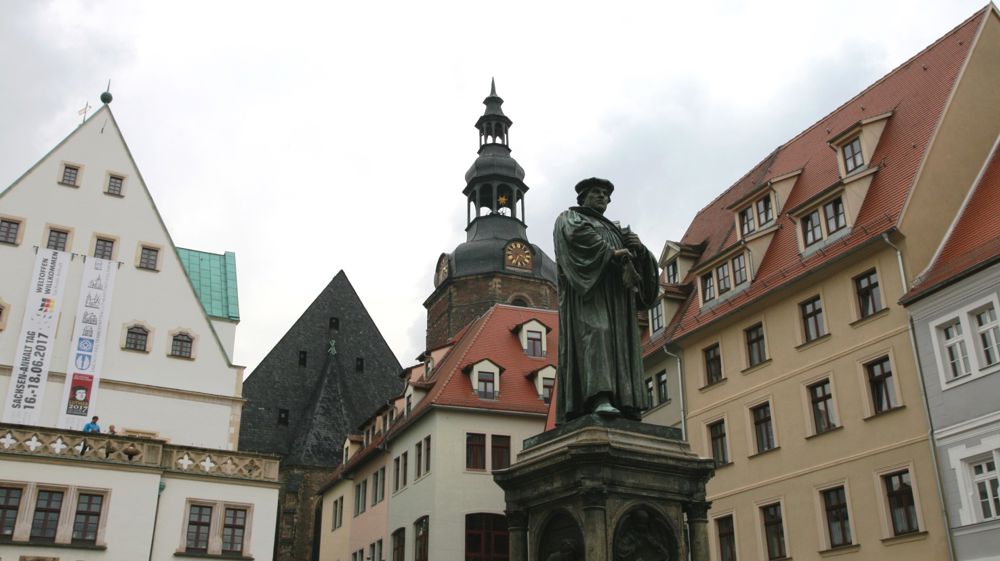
[591, 182]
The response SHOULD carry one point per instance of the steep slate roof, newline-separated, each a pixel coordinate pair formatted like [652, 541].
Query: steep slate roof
[916, 94]
[974, 240]
[327, 398]
[213, 277]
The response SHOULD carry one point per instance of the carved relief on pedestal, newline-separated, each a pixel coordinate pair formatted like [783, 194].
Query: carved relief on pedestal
[561, 540]
[644, 535]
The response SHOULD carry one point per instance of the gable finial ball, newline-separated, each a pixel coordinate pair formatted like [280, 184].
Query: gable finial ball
[106, 98]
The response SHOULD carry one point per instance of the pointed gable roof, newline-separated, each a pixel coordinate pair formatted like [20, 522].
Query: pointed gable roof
[916, 93]
[974, 240]
[328, 397]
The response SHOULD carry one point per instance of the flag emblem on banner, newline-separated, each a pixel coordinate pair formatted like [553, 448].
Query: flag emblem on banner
[46, 305]
[83, 361]
[85, 345]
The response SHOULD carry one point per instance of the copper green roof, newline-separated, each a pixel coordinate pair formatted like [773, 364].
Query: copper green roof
[214, 279]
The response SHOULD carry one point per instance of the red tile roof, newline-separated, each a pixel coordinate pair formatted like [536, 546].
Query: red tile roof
[974, 241]
[916, 93]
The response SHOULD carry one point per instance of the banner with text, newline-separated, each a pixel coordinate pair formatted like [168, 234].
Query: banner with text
[86, 351]
[38, 331]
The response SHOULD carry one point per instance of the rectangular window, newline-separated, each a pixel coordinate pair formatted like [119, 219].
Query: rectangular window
[869, 299]
[70, 174]
[756, 353]
[727, 538]
[404, 466]
[713, 365]
[419, 454]
[989, 335]
[902, 509]
[399, 545]
[763, 429]
[359, 364]
[656, 316]
[182, 345]
[547, 386]
[395, 474]
[880, 382]
[8, 231]
[739, 269]
[672, 272]
[661, 386]
[812, 232]
[838, 526]
[10, 502]
[421, 529]
[427, 454]
[475, 451]
[956, 355]
[303, 358]
[338, 512]
[707, 287]
[136, 338]
[360, 497]
[821, 403]
[746, 221]
[487, 385]
[722, 272]
[199, 524]
[764, 213]
[812, 319]
[720, 450]
[500, 450]
[88, 517]
[375, 486]
[46, 518]
[57, 240]
[535, 343]
[833, 211]
[104, 249]
[984, 477]
[148, 258]
[853, 159]
[380, 488]
[649, 393]
[774, 531]
[115, 184]
[234, 527]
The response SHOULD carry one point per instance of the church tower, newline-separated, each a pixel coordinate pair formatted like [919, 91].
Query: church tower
[496, 264]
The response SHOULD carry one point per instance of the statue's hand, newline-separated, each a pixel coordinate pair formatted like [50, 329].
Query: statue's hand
[619, 253]
[632, 241]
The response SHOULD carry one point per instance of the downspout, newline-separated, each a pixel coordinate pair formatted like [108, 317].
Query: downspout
[680, 379]
[927, 408]
[156, 516]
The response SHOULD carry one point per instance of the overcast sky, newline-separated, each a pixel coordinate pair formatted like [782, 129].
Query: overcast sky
[314, 137]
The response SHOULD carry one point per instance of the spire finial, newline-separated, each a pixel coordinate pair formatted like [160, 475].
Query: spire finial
[493, 87]
[106, 96]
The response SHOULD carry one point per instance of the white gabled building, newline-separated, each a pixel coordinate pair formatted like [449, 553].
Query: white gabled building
[170, 483]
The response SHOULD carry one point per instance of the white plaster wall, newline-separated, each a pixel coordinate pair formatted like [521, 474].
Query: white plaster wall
[449, 491]
[170, 523]
[226, 330]
[131, 507]
[164, 300]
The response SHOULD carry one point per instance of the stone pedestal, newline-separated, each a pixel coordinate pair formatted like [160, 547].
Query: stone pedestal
[601, 489]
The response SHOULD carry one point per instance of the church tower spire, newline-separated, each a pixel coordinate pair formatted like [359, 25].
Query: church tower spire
[495, 182]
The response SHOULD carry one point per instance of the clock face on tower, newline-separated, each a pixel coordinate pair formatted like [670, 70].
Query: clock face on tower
[518, 255]
[442, 271]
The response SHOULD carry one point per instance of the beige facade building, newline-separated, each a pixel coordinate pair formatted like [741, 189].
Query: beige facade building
[781, 304]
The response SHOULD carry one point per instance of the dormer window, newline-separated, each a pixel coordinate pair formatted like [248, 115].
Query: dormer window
[853, 158]
[486, 386]
[823, 221]
[656, 317]
[544, 380]
[548, 384]
[484, 377]
[764, 212]
[672, 272]
[722, 273]
[747, 226]
[707, 287]
[739, 269]
[535, 343]
[834, 213]
[532, 336]
[812, 232]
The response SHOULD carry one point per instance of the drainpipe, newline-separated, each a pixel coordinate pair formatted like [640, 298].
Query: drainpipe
[927, 408]
[680, 378]
[156, 516]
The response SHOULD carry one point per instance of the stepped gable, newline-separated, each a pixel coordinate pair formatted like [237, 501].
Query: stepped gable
[974, 240]
[916, 93]
[327, 398]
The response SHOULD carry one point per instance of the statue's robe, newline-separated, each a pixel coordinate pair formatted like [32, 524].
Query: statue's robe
[599, 350]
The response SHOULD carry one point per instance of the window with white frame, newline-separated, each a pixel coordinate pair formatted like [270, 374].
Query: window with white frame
[853, 158]
[747, 225]
[764, 212]
[967, 342]
[360, 497]
[337, 513]
[986, 485]
[822, 222]
[988, 335]
[672, 272]
[956, 354]
[739, 269]
[722, 275]
[707, 287]
[656, 316]
[31, 513]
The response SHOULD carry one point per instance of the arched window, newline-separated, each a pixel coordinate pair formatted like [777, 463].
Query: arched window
[399, 545]
[421, 531]
[486, 537]
[181, 345]
[136, 338]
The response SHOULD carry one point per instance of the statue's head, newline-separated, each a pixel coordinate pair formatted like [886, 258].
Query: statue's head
[594, 193]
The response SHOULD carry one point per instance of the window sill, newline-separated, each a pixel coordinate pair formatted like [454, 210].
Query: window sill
[827, 431]
[64, 184]
[870, 317]
[727, 464]
[180, 357]
[147, 269]
[9, 243]
[713, 385]
[769, 450]
[757, 366]
[39, 543]
[904, 538]
[884, 413]
[213, 555]
[115, 195]
[477, 471]
[840, 550]
[816, 341]
[139, 351]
